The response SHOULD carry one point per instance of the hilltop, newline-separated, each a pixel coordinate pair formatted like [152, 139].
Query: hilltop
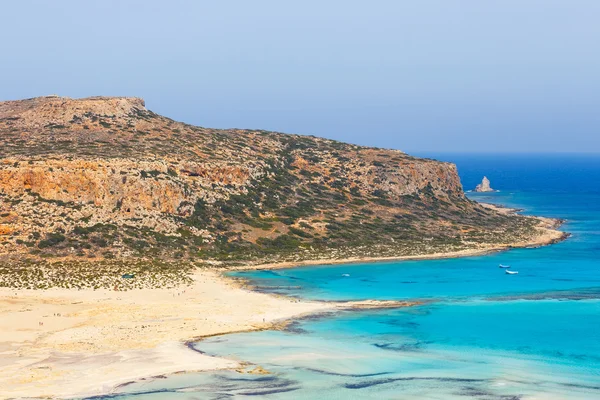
[95, 187]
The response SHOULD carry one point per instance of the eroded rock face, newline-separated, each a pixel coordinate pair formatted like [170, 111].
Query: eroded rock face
[78, 176]
[124, 186]
[484, 186]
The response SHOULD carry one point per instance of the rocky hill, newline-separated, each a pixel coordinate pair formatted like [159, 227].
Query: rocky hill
[98, 181]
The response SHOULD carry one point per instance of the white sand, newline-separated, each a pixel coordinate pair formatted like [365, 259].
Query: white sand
[92, 341]
[105, 338]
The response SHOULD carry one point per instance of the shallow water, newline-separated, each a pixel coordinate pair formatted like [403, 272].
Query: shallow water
[481, 334]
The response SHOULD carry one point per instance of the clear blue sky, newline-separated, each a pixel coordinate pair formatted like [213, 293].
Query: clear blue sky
[419, 75]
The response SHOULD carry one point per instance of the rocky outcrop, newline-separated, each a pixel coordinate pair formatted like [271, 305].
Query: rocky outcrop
[52, 111]
[127, 186]
[484, 186]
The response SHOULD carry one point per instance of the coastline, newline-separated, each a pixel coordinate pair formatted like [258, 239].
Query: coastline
[547, 228]
[62, 343]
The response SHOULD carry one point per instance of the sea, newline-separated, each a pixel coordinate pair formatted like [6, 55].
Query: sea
[478, 334]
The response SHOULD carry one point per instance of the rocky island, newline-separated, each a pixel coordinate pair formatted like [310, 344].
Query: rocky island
[484, 186]
[115, 222]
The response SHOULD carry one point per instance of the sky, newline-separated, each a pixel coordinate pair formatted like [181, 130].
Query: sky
[419, 76]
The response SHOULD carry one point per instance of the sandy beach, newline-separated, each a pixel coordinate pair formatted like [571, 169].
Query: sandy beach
[62, 343]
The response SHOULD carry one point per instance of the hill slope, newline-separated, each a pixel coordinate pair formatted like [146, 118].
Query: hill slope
[96, 181]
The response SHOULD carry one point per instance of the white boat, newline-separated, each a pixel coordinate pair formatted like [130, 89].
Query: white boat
[345, 275]
[504, 266]
[512, 272]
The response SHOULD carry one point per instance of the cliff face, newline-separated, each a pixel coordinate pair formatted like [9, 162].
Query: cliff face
[105, 177]
[122, 185]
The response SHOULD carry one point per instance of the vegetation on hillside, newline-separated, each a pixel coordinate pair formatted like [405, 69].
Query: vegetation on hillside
[96, 183]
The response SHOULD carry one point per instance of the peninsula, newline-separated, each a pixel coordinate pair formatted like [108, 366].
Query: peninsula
[95, 189]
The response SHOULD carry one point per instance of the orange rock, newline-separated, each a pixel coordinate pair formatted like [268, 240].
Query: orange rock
[6, 230]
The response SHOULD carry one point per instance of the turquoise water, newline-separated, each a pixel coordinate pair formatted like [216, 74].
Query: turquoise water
[481, 334]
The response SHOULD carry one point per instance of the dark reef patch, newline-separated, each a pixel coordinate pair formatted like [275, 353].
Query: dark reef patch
[376, 382]
[321, 371]
[404, 347]
[590, 293]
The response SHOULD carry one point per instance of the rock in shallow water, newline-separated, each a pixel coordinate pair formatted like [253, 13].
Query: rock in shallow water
[484, 186]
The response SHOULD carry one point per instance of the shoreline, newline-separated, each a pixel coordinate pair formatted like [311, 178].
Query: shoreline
[100, 337]
[62, 343]
[549, 235]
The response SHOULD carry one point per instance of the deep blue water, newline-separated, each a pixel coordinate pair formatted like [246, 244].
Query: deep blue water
[530, 173]
[481, 334]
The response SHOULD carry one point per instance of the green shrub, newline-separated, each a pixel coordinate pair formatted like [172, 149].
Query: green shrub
[52, 239]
